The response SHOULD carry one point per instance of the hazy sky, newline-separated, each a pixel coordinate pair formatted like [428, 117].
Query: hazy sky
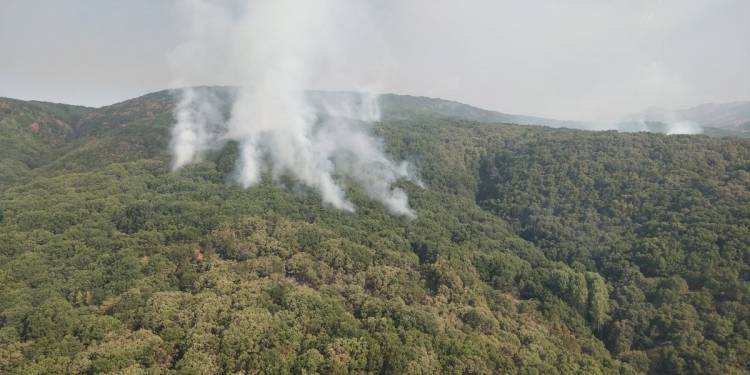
[570, 59]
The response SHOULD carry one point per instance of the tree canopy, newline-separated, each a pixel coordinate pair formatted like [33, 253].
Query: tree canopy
[534, 251]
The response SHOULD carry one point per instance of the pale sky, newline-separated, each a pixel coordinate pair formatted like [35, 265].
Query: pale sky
[566, 59]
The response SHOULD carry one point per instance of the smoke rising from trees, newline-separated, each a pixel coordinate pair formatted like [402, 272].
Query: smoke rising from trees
[271, 50]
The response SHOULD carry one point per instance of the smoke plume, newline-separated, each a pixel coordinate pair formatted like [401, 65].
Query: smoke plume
[271, 50]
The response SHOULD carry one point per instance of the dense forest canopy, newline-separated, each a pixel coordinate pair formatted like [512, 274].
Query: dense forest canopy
[535, 250]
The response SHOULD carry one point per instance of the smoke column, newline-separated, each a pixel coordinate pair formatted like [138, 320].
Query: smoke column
[271, 50]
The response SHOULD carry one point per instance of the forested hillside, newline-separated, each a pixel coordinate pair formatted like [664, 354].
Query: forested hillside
[534, 251]
[32, 134]
[663, 219]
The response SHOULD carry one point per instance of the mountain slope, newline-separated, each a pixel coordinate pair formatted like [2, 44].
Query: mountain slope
[143, 269]
[32, 134]
[535, 250]
[664, 219]
[405, 106]
[73, 137]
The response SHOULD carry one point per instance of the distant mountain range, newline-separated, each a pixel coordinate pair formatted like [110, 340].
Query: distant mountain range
[723, 119]
[726, 119]
[394, 106]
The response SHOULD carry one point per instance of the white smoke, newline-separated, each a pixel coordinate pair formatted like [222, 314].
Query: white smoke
[674, 123]
[271, 50]
[684, 127]
[657, 120]
[199, 121]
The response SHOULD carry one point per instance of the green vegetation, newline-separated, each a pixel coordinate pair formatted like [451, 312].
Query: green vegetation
[31, 134]
[535, 251]
[663, 219]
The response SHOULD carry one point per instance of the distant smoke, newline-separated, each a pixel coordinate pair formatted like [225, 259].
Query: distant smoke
[656, 120]
[684, 127]
[271, 50]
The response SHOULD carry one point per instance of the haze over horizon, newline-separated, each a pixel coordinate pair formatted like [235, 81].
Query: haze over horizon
[580, 60]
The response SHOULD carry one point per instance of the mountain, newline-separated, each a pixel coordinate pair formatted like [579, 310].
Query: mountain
[41, 137]
[32, 132]
[728, 119]
[534, 250]
[404, 106]
[723, 119]
[48, 135]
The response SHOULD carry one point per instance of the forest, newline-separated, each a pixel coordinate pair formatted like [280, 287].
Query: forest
[534, 251]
